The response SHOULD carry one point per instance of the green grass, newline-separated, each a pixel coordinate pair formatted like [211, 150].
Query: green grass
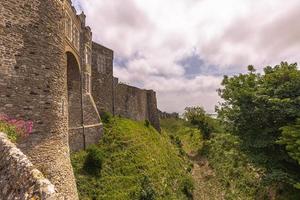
[138, 163]
[189, 136]
[10, 131]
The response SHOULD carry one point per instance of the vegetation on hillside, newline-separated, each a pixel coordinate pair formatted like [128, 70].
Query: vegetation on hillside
[183, 134]
[262, 110]
[132, 161]
[251, 151]
[255, 153]
[229, 174]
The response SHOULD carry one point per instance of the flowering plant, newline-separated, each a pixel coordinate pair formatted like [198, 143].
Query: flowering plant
[15, 128]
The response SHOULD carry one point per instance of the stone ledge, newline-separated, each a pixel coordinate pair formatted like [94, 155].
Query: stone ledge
[19, 179]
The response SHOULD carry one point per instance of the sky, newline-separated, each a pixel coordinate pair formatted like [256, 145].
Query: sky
[181, 49]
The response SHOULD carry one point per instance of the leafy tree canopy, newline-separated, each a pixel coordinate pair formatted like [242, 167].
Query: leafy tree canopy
[262, 109]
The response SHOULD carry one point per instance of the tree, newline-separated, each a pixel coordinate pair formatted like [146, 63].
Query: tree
[198, 117]
[256, 107]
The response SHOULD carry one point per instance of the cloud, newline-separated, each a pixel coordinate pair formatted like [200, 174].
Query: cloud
[182, 48]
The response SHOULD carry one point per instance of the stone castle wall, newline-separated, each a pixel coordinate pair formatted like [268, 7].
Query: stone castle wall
[131, 102]
[116, 98]
[136, 103]
[165, 115]
[33, 84]
[102, 78]
[19, 179]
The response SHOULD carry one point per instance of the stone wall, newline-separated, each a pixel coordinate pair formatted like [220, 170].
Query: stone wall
[119, 99]
[131, 102]
[136, 104]
[165, 115]
[33, 84]
[102, 77]
[153, 115]
[19, 179]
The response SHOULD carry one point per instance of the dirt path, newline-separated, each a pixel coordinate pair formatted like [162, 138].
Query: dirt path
[206, 185]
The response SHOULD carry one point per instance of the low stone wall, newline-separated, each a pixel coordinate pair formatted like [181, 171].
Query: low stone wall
[19, 179]
[81, 138]
[165, 115]
[137, 104]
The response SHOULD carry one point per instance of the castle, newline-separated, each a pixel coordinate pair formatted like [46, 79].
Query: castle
[52, 73]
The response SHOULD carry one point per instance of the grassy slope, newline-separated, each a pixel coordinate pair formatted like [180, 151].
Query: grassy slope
[132, 152]
[189, 136]
[222, 171]
[207, 186]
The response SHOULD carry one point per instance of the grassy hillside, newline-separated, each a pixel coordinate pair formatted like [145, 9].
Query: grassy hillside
[182, 132]
[221, 170]
[136, 162]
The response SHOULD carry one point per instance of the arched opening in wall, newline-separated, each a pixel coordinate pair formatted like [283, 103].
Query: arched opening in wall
[74, 94]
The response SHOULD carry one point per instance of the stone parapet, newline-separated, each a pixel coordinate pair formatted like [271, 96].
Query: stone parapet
[19, 179]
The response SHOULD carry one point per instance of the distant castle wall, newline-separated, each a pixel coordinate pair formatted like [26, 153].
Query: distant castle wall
[19, 179]
[136, 103]
[117, 98]
[165, 115]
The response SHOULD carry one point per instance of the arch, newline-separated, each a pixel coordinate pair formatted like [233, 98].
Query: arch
[74, 92]
[70, 50]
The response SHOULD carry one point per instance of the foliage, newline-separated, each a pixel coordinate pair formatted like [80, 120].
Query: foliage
[93, 161]
[255, 108]
[147, 123]
[198, 117]
[182, 134]
[240, 180]
[9, 130]
[147, 191]
[188, 187]
[105, 117]
[15, 129]
[138, 163]
[291, 138]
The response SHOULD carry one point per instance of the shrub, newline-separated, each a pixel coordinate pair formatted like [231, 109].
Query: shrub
[147, 192]
[188, 187]
[93, 161]
[105, 116]
[147, 123]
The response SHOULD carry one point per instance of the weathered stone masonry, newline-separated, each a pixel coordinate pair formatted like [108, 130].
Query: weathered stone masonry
[18, 177]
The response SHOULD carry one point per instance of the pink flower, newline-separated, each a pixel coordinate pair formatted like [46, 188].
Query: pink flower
[24, 128]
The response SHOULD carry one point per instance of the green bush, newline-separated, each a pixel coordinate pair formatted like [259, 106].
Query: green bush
[147, 191]
[188, 187]
[239, 178]
[147, 123]
[93, 161]
[105, 117]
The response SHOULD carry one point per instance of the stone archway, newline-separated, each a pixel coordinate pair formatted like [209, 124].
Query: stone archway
[75, 114]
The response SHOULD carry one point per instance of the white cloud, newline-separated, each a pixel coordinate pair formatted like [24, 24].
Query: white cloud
[154, 35]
